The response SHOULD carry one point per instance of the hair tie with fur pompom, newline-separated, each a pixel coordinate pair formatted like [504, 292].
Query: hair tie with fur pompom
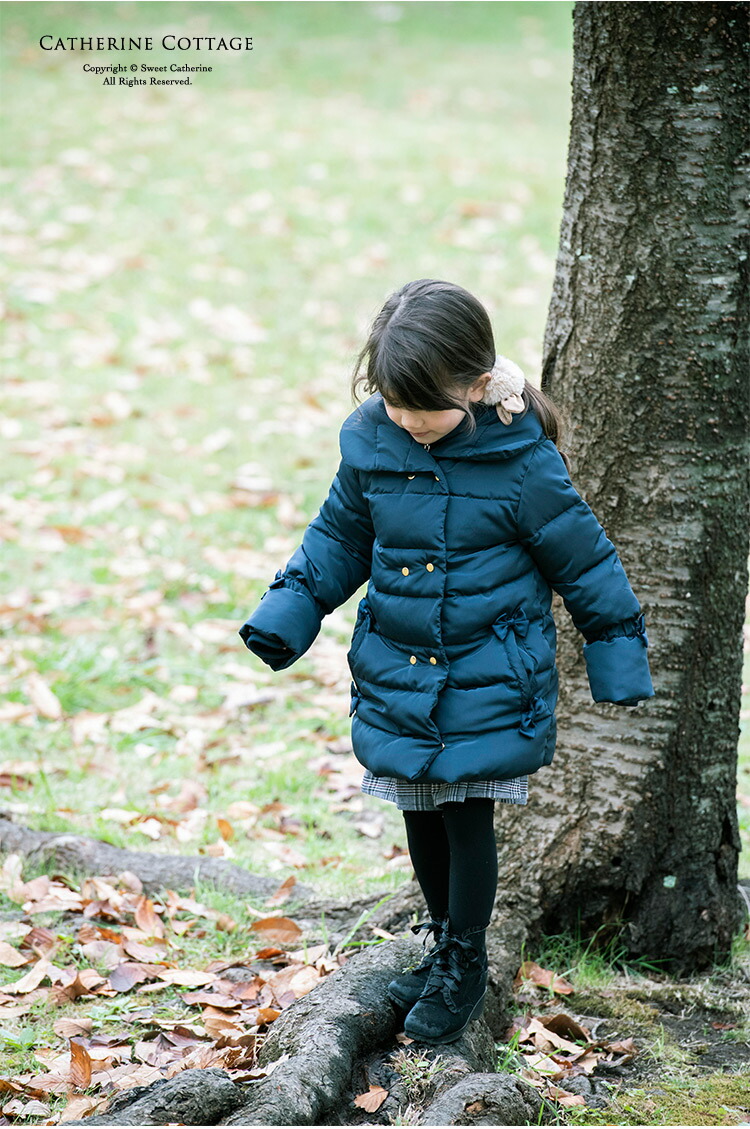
[504, 388]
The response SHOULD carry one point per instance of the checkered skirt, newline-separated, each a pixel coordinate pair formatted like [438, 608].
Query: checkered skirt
[409, 795]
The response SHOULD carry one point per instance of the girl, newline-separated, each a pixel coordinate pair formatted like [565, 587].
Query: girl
[453, 500]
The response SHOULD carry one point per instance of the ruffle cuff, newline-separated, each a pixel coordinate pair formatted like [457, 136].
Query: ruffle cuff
[617, 666]
[283, 626]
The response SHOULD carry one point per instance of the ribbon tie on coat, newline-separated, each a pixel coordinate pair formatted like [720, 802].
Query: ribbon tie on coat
[509, 628]
[517, 621]
[536, 710]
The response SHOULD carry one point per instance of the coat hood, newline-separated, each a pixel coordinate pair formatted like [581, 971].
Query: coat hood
[370, 440]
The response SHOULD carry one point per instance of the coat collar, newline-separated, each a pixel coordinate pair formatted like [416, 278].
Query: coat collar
[371, 441]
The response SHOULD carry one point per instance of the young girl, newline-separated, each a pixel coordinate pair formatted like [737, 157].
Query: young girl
[454, 502]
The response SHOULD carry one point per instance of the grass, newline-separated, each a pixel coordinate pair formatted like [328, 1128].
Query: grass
[190, 274]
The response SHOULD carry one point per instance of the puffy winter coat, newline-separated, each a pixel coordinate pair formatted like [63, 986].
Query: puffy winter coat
[453, 652]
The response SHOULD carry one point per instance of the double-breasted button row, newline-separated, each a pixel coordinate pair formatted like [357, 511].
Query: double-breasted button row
[429, 566]
[413, 660]
[410, 476]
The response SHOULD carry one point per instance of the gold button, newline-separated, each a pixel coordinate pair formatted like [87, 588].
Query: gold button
[410, 476]
[413, 660]
[436, 478]
[404, 572]
[430, 567]
[433, 660]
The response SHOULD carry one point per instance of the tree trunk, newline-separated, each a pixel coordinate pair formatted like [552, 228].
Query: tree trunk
[646, 353]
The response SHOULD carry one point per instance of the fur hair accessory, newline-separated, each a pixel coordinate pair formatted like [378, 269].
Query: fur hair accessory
[504, 388]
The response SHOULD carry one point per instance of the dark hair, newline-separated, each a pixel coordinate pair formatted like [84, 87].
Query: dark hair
[430, 338]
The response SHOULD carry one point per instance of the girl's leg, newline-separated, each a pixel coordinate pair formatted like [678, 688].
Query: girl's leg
[470, 832]
[430, 857]
[455, 989]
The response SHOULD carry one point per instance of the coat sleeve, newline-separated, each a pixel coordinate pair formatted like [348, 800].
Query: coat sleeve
[576, 558]
[332, 562]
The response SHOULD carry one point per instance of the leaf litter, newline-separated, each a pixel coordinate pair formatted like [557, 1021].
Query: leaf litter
[553, 1048]
[132, 943]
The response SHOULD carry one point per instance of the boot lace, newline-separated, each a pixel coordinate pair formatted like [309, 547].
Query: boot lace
[455, 956]
[428, 927]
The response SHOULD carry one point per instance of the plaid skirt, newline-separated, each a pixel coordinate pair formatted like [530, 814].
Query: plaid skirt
[410, 795]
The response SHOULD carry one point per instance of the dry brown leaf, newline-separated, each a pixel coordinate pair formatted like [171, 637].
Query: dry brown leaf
[566, 1026]
[564, 1097]
[33, 978]
[80, 1065]
[372, 1100]
[277, 929]
[622, 1047]
[129, 973]
[267, 1014]
[546, 1040]
[147, 919]
[140, 952]
[89, 933]
[189, 977]
[219, 1024]
[587, 1062]
[45, 701]
[225, 829]
[81, 1106]
[543, 978]
[41, 941]
[70, 1028]
[18, 1109]
[283, 891]
[10, 956]
[12, 1011]
[212, 999]
[104, 953]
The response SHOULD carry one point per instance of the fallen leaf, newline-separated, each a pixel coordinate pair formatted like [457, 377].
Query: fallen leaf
[543, 977]
[41, 970]
[277, 928]
[10, 956]
[212, 999]
[70, 1028]
[564, 1097]
[283, 891]
[80, 1065]
[41, 941]
[623, 1047]
[189, 977]
[372, 1100]
[129, 973]
[566, 1026]
[147, 919]
[18, 1109]
[81, 1107]
[45, 701]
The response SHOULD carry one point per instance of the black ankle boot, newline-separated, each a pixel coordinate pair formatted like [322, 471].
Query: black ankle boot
[405, 990]
[454, 993]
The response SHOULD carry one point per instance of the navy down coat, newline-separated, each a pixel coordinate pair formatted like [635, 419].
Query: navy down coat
[453, 652]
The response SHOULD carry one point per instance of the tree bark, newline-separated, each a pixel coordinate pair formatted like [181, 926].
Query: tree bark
[646, 351]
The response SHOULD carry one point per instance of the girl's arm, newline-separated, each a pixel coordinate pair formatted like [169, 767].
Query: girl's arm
[332, 562]
[576, 558]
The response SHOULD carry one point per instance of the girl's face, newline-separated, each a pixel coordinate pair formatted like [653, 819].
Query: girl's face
[428, 427]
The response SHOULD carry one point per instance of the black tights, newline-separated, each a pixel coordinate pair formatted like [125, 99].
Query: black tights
[454, 856]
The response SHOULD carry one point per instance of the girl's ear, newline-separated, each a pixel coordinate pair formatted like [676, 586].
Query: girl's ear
[477, 389]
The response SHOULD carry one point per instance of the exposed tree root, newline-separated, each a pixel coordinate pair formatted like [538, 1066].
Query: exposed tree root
[193, 1097]
[323, 1051]
[156, 872]
[485, 1099]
